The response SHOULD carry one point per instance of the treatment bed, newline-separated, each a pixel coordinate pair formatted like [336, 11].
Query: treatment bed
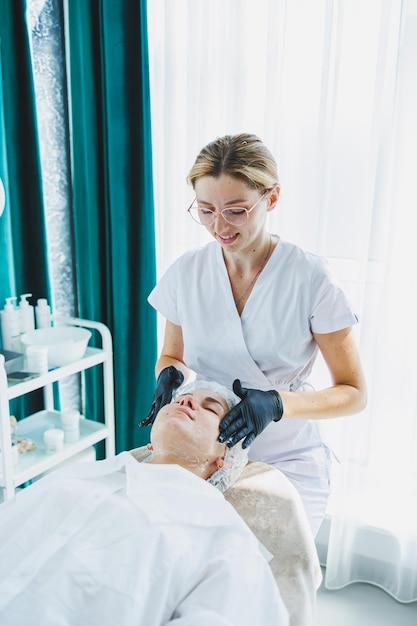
[272, 508]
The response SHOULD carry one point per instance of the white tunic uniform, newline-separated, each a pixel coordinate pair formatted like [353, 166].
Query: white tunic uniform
[122, 542]
[269, 347]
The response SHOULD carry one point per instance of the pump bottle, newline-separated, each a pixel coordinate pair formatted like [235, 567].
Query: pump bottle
[43, 313]
[10, 326]
[26, 314]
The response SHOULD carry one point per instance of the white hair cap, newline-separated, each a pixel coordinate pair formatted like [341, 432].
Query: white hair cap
[230, 397]
[236, 457]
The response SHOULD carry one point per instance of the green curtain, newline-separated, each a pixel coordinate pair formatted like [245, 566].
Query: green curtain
[113, 196]
[6, 279]
[23, 265]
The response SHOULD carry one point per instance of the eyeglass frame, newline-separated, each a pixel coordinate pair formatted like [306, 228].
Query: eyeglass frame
[213, 213]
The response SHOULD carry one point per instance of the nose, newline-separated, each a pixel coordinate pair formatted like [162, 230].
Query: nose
[217, 217]
[187, 400]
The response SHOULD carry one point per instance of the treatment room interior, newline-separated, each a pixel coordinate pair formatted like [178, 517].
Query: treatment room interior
[104, 105]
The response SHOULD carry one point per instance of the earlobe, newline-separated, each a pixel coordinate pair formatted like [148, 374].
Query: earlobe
[149, 446]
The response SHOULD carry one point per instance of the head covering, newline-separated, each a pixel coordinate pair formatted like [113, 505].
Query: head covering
[226, 393]
[236, 457]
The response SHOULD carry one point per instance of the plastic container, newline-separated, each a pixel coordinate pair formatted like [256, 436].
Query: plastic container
[65, 343]
[43, 313]
[26, 314]
[70, 422]
[37, 359]
[10, 326]
[54, 440]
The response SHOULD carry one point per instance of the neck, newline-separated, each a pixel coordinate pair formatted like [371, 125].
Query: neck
[243, 276]
[251, 258]
[200, 467]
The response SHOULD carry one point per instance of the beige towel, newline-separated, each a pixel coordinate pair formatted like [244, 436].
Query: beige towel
[272, 508]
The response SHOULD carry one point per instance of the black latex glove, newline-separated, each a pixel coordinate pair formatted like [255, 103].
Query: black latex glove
[249, 417]
[169, 379]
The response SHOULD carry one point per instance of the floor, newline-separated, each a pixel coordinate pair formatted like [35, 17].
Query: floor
[361, 604]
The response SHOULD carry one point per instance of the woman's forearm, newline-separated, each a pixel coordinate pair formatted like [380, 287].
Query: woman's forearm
[335, 401]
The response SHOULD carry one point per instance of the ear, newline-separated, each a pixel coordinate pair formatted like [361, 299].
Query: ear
[149, 446]
[219, 462]
[273, 197]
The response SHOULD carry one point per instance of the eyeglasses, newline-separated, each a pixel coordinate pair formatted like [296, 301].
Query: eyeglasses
[234, 215]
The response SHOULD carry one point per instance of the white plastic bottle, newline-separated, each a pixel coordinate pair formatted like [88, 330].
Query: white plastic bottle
[43, 313]
[26, 314]
[10, 326]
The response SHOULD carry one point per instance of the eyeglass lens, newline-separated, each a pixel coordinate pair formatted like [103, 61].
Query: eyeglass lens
[233, 215]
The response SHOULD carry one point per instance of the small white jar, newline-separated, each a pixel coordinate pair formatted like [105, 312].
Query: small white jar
[54, 440]
[37, 359]
[70, 423]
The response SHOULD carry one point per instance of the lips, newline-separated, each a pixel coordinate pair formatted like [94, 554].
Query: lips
[227, 239]
[184, 411]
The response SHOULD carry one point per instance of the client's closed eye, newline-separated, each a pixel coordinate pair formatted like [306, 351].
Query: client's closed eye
[212, 410]
[214, 406]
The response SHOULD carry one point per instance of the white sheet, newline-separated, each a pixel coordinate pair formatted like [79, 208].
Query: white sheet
[271, 506]
[119, 542]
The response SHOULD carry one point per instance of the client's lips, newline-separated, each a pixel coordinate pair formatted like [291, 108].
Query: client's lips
[185, 411]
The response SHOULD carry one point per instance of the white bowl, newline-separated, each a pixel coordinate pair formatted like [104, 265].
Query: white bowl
[65, 343]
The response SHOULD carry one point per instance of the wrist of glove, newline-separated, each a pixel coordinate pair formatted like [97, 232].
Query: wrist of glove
[168, 381]
[247, 419]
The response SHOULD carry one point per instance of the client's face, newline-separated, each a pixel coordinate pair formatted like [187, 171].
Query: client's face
[189, 427]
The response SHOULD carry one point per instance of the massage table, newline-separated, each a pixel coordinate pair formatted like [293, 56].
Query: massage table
[272, 508]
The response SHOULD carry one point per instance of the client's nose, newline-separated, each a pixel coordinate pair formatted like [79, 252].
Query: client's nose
[187, 400]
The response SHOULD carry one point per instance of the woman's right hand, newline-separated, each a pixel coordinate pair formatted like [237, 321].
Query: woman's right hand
[168, 380]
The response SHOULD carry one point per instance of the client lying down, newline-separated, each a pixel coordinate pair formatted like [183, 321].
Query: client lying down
[146, 544]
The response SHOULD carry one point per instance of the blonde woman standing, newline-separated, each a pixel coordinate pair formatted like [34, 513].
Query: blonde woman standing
[252, 311]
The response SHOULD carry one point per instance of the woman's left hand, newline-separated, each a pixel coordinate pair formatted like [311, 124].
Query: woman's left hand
[249, 417]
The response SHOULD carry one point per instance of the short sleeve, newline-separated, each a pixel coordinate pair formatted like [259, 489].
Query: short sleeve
[330, 307]
[164, 296]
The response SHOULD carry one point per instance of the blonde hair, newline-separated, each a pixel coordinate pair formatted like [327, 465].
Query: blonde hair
[242, 156]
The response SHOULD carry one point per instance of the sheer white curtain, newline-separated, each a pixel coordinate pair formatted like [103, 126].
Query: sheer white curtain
[331, 88]
[46, 36]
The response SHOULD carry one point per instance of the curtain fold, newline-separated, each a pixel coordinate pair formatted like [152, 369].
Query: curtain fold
[23, 263]
[331, 89]
[5, 237]
[27, 266]
[113, 196]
